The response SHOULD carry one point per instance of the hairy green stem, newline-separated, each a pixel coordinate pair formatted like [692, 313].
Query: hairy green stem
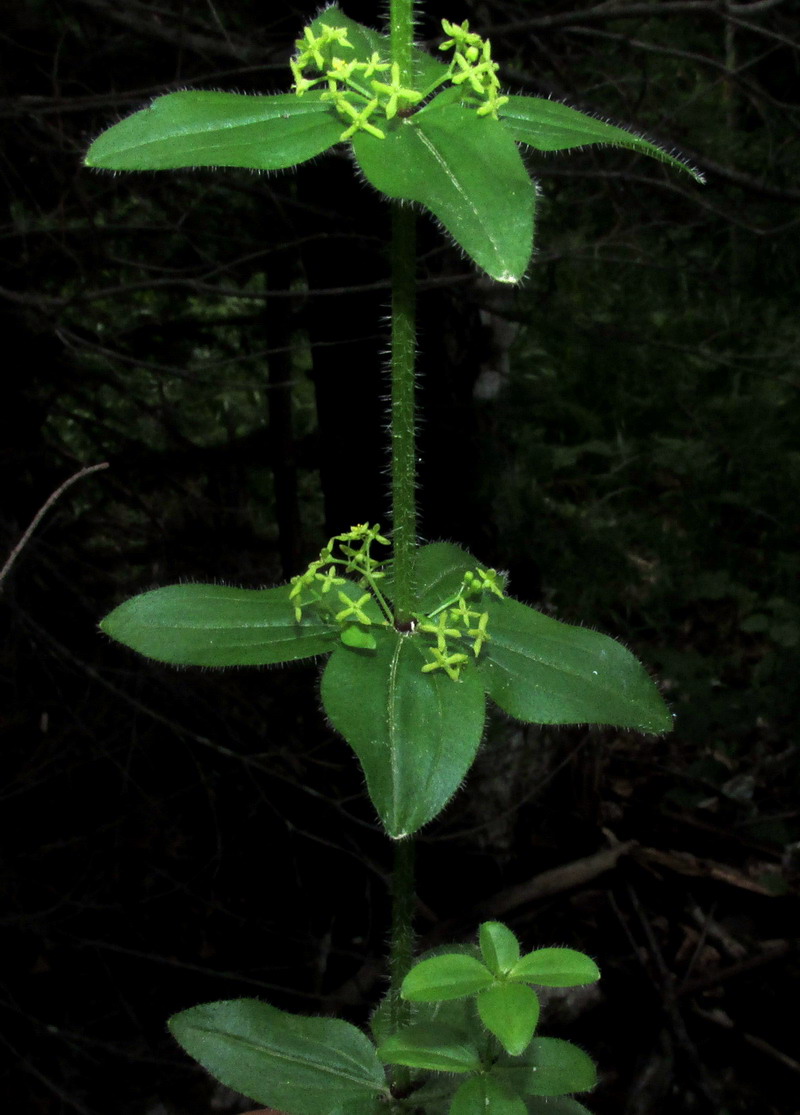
[404, 514]
[402, 949]
[402, 418]
[401, 31]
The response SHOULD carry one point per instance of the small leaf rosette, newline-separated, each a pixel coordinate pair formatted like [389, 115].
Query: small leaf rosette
[459, 995]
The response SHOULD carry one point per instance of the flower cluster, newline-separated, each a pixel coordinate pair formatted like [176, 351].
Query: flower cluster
[458, 621]
[456, 625]
[351, 553]
[360, 97]
[472, 65]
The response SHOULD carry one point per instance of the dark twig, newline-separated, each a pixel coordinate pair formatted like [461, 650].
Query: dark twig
[40, 514]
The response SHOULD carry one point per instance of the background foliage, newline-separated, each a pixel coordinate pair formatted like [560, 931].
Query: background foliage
[620, 433]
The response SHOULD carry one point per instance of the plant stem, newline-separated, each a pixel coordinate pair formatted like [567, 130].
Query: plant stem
[402, 946]
[402, 417]
[401, 32]
[404, 514]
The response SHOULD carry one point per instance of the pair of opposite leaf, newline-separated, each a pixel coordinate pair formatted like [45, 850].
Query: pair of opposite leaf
[453, 150]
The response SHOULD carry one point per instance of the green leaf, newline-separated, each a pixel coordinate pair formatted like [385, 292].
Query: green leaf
[551, 126]
[547, 672]
[460, 1014]
[467, 171]
[549, 1067]
[431, 1046]
[308, 1066]
[415, 734]
[439, 570]
[499, 946]
[354, 635]
[511, 1012]
[451, 976]
[555, 968]
[365, 41]
[200, 128]
[483, 1095]
[555, 1105]
[216, 625]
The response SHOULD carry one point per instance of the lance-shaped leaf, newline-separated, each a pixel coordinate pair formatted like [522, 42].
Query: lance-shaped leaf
[467, 171]
[200, 128]
[483, 1095]
[555, 968]
[451, 976]
[309, 1066]
[217, 625]
[415, 733]
[547, 672]
[431, 1045]
[549, 1067]
[551, 126]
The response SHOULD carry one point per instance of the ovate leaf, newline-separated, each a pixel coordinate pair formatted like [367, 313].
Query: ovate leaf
[467, 171]
[547, 672]
[200, 128]
[308, 1066]
[551, 126]
[499, 946]
[217, 625]
[550, 1067]
[431, 1046]
[451, 976]
[415, 734]
[555, 968]
[483, 1095]
[510, 1011]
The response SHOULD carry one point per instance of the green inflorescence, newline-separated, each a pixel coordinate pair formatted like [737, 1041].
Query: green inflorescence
[350, 552]
[456, 630]
[361, 98]
[472, 63]
[459, 622]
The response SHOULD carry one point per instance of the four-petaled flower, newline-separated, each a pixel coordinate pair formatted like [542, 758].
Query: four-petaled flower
[327, 580]
[452, 664]
[441, 631]
[354, 608]
[396, 92]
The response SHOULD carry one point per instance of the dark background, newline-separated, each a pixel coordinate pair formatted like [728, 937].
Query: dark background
[620, 433]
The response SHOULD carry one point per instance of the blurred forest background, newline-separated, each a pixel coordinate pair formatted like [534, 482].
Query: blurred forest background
[620, 432]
